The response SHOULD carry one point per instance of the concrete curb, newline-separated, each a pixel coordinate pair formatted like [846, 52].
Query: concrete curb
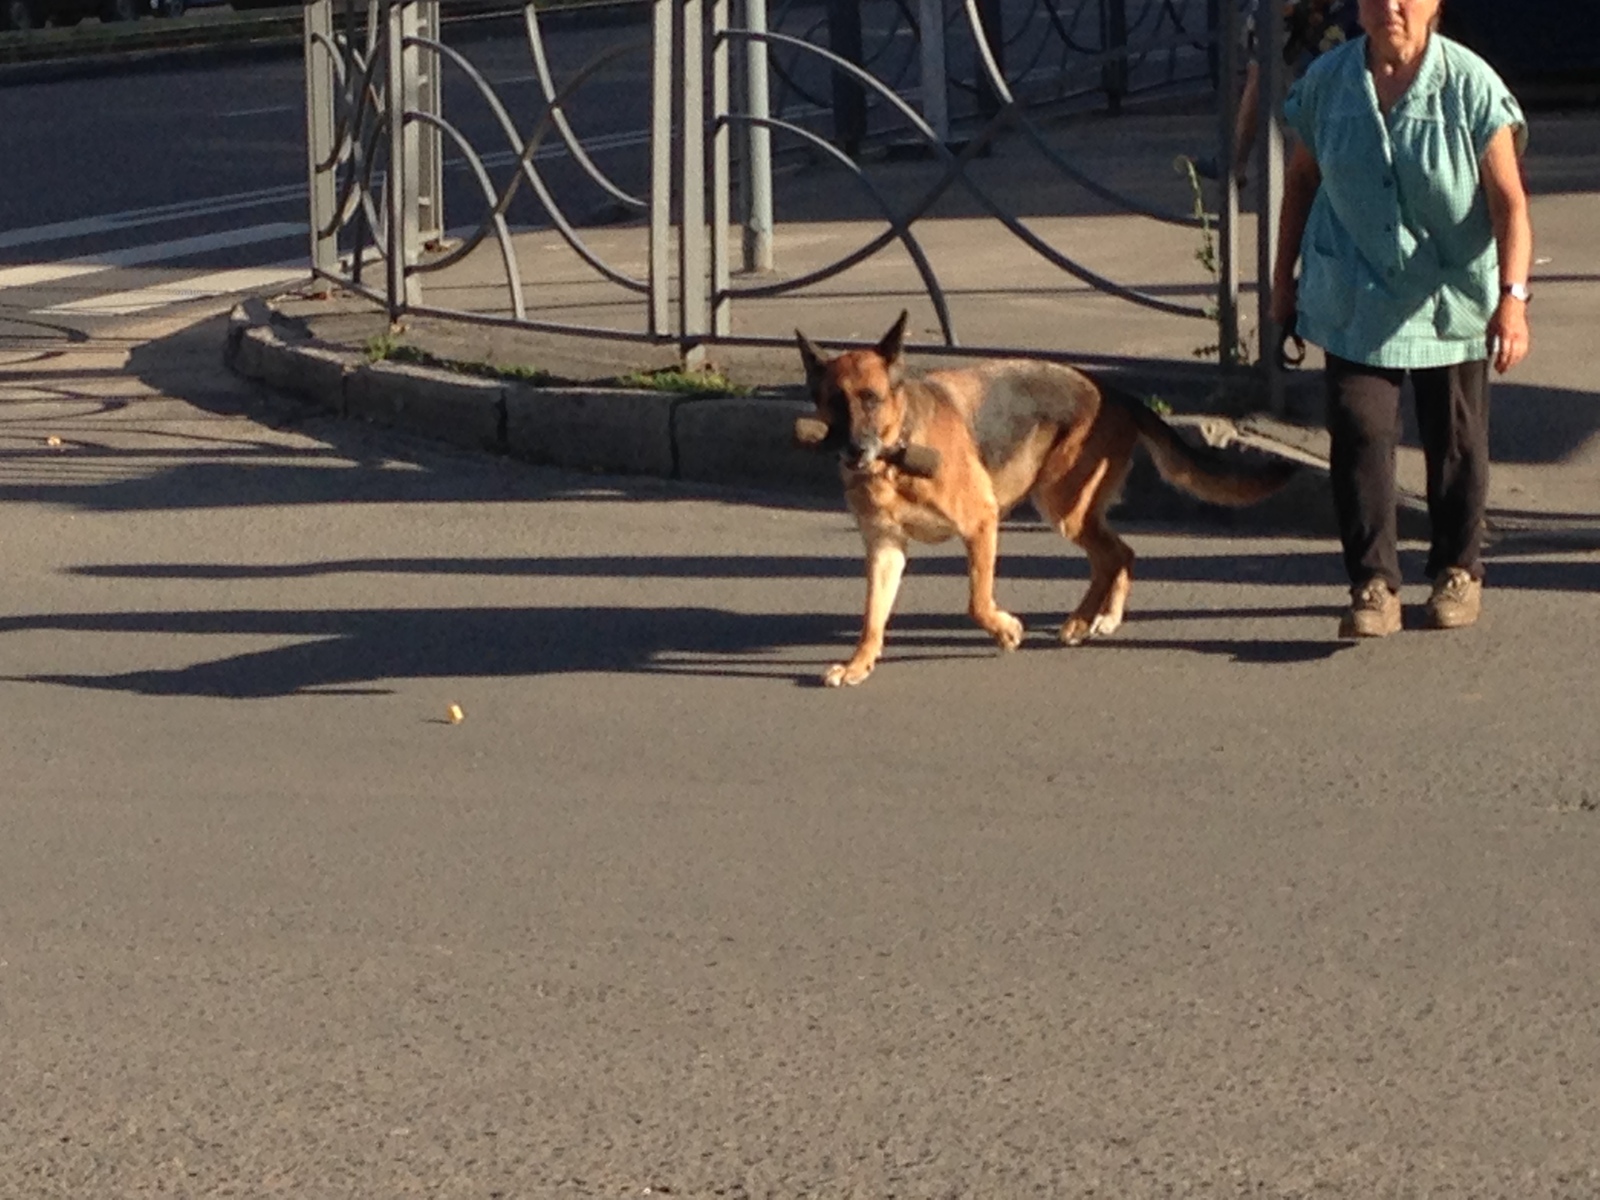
[442, 405]
[625, 431]
[745, 442]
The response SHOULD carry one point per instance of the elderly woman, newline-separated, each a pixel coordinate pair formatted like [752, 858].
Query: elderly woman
[1404, 205]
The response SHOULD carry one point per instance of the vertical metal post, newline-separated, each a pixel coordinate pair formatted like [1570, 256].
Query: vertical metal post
[1214, 29]
[991, 19]
[757, 158]
[1114, 39]
[430, 150]
[358, 36]
[721, 177]
[849, 99]
[322, 171]
[1228, 216]
[401, 186]
[694, 309]
[661, 169]
[1269, 58]
[934, 83]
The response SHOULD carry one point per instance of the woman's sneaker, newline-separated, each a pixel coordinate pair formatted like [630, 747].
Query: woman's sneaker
[1374, 611]
[1456, 601]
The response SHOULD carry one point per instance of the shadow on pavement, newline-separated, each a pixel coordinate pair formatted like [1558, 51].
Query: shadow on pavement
[1070, 565]
[352, 651]
[330, 461]
[1542, 424]
[1309, 568]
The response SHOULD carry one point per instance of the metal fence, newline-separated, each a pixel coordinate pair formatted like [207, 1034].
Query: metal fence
[724, 80]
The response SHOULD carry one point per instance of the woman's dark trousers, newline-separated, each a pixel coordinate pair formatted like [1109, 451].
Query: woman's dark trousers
[1364, 422]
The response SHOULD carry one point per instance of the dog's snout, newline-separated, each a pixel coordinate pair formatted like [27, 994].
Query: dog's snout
[863, 451]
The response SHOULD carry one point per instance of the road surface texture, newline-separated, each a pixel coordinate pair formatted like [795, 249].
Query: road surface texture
[1218, 907]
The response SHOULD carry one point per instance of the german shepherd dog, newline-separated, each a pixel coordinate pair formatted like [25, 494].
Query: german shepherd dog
[951, 452]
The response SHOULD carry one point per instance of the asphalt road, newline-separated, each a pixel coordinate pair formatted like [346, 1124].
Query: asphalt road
[1219, 907]
[109, 162]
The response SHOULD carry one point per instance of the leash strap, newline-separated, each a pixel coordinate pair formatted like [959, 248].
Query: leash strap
[1291, 346]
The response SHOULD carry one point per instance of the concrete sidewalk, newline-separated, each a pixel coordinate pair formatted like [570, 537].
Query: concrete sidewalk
[1546, 436]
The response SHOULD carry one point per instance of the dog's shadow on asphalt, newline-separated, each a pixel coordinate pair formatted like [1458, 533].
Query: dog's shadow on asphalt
[357, 650]
[354, 651]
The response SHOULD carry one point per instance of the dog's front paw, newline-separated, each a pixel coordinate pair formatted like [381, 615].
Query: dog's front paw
[1007, 631]
[1075, 631]
[845, 675]
[1105, 625]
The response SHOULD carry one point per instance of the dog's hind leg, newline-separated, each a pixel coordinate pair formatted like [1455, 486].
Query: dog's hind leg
[1074, 499]
[1110, 579]
[886, 563]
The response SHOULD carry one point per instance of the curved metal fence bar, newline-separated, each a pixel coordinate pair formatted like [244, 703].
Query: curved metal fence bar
[352, 111]
[526, 150]
[356, 192]
[787, 78]
[336, 64]
[997, 211]
[359, 193]
[507, 253]
[574, 146]
[381, 180]
[1068, 42]
[860, 74]
[1020, 119]
[1089, 184]
[535, 324]
[814, 94]
[1077, 39]
[996, 80]
[898, 229]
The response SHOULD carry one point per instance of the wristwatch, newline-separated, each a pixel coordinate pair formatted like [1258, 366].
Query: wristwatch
[1517, 291]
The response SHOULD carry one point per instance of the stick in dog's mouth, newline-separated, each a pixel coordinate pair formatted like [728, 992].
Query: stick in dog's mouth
[813, 433]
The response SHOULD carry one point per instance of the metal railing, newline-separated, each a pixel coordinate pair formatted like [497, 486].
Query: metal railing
[724, 80]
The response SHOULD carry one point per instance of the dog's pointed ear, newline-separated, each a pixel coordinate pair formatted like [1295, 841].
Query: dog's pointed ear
[816, 362]
[892, 349]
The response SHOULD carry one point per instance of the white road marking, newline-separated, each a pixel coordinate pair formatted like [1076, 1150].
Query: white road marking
[199, 287]
[133, 218]
[261, 112]
[34, 274]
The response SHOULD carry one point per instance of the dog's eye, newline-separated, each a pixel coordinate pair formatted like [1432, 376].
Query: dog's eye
[870, 398]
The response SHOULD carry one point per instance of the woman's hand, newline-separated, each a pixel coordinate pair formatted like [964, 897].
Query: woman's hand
[1509, 339]
[1284, 298]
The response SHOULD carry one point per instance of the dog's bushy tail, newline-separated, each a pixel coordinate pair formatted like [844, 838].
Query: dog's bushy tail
[1206, 474]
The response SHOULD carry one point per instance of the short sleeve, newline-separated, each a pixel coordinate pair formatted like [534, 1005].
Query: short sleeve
[1300, 110]
[1507, 112]
[1496, 109]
